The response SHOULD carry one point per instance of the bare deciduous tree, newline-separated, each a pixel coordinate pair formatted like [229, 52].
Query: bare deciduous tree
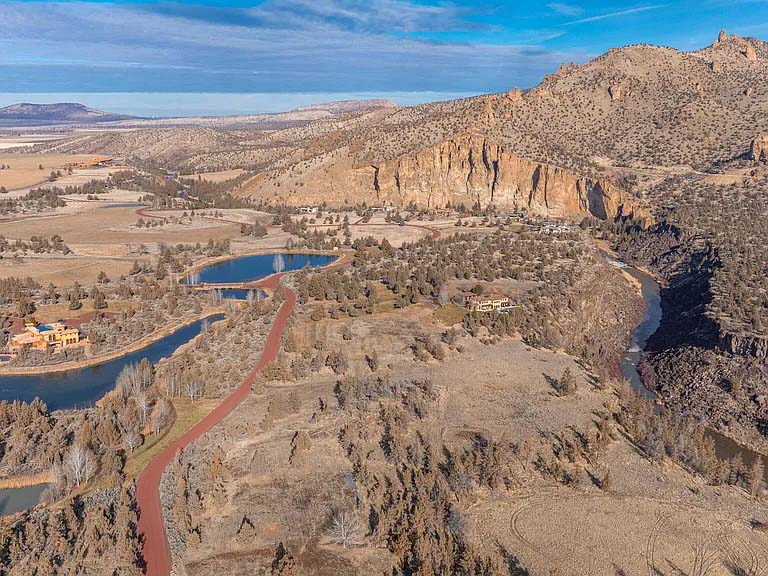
[346, 529]
[80, 464]
[143, 405]
[131, 439]
[161, 415]
[194, 389]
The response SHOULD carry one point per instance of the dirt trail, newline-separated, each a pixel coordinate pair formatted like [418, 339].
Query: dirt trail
[151, 525]
[434, 231]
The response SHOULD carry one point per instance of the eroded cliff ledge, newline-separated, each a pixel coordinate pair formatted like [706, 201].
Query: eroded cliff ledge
[470, 169]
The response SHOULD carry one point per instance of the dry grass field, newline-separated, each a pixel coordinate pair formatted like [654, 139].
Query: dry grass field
[63, 271]
[97, 224]
[25, 169]
[101, 238]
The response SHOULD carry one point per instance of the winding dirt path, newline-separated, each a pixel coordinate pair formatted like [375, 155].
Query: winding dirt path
[155, 548]
[432, 230]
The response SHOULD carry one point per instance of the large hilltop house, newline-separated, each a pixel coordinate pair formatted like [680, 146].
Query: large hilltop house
[487, 302]
[98, 162]
[46, 336]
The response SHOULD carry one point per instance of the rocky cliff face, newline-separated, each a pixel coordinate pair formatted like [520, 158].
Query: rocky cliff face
[470, 169]
[744, 345]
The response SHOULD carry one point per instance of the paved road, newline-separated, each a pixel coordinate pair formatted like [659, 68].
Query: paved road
[151, 525]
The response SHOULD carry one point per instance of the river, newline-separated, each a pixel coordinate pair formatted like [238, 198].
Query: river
[725, 447]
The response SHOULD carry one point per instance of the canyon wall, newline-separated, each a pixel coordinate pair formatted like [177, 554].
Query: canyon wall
[471, 169]
[744, 345]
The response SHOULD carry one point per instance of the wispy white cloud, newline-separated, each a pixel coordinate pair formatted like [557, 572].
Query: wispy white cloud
[565, 9]
[616, 14]
[280, 45]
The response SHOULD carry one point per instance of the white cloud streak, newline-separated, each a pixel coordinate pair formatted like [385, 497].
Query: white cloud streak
[616, 14]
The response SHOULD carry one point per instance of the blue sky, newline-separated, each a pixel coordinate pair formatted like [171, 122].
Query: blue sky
[338, 46]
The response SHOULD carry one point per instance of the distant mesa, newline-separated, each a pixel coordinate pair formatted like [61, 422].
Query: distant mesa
[26, 114]
[343, 106]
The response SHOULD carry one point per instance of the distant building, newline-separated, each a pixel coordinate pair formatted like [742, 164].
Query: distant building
[550, 227]
[45, 336]
[309, 210]
[487, 302]
[98, 162]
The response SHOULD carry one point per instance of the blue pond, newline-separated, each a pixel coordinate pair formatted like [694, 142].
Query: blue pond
[15, 500]
[242, 293]
[252, 268]
[83, 387]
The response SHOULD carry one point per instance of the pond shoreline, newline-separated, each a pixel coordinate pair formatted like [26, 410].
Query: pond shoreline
[206, 262]
[24, 481]
[143, 342]
[169, 329]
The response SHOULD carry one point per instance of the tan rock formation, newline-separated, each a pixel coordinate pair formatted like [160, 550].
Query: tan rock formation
[488, 116]
[471, 169]
[722, 37]
[758, 150]
[515, 95]
[615, 92]
[749, 53]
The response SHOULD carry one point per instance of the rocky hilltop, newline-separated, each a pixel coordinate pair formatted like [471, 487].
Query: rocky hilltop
[587, 140]
[560, 148]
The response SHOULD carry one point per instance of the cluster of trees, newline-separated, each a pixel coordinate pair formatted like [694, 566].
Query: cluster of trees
[196, 192]
[36, 244]
[218, 363]
[97, 534]
[408, 489]
[578, 303]
[158, 305]
[684, 440]
[729, 217]
[13, 289]
[256, 230]
[36, 200]
[421, 269]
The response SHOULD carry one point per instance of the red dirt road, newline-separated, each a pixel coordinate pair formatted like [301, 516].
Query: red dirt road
[155, 548]
[151, 525]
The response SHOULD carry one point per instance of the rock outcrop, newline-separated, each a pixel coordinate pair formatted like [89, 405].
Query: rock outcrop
[515, 95]
[471, 169]
[750, 53]
[722, 37]
[758, 150]
[744, 345]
